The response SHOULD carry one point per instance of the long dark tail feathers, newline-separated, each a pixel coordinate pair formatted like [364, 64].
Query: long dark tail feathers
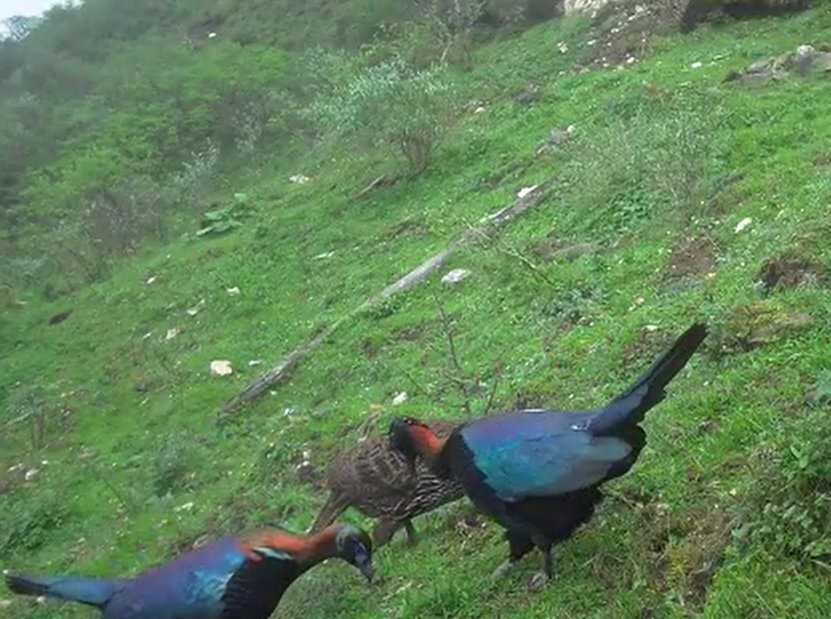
[335, 505]
[25, 585]
[630, 406]
[92, 591]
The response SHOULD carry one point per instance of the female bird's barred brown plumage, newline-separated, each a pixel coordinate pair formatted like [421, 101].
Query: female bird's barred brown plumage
[379, 482]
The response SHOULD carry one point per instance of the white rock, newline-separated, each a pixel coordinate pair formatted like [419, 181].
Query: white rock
[525, 191]
[300, 179]
[31, 474]
[193, 311]
[744, 223]
[696, 65]
[151, 279]
[324, 255]
[479, 110]
[254, 362]
[400, 398]
[456, 275]
[221, 367]
[171, 333]
[232, 292]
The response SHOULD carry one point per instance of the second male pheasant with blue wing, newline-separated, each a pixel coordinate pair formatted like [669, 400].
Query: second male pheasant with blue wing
[538, 472]
[237, 577]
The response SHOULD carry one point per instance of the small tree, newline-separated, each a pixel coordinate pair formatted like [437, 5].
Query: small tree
[454, 22]
[393, 106]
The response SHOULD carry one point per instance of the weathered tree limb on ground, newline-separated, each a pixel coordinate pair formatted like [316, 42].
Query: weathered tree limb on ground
[486, 224]
[370, 187]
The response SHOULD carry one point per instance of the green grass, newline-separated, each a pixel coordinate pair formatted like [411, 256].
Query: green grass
[715, 520]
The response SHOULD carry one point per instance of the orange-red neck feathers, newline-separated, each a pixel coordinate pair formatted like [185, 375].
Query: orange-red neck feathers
[304, 549]
[426, 442]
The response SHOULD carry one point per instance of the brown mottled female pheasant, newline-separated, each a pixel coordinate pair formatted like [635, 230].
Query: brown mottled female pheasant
[380, 483]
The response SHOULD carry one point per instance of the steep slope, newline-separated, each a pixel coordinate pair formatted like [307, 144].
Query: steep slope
[672, 196]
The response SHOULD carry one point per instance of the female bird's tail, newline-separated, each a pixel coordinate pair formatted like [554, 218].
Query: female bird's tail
[629, 407]
[334, 507]
[92, 591]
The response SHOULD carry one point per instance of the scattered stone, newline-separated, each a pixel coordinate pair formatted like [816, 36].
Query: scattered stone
[528, 96]
[232, 292]
[306, 472]
[221, 368]
[324, 255]
[171, 333]
[803, 61]
[456, 275]
[60, 317]
[583, 6]
[744, 223]
[193, 311]
[400, 398]
[525, 191]
[299, 179]
[556, 137]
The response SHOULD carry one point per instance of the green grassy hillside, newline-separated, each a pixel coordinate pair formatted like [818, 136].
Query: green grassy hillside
[726, 514]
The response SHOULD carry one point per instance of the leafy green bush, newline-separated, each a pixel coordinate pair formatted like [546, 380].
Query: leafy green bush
[225, 218]
[171, 464]
[393, 106]
[788, 509]
[27, 525]
[635, 168]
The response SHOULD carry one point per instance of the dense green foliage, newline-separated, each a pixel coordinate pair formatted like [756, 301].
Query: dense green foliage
[677, 196]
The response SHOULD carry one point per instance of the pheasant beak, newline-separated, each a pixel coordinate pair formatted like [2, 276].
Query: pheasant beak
[364, 563]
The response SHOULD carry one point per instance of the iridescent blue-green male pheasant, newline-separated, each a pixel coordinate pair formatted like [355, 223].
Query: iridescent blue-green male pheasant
[237, 577]
[538, 473]
[380, 483]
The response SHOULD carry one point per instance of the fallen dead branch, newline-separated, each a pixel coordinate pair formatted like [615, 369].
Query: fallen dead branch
[488, 224]
[370, 187]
